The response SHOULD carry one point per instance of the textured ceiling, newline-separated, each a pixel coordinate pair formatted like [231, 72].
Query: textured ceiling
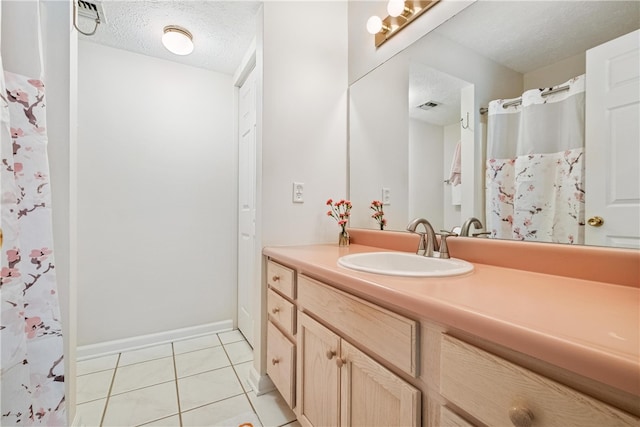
[521, 35]
[222, 30]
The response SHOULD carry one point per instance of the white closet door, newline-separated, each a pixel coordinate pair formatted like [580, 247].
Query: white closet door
[612, 175]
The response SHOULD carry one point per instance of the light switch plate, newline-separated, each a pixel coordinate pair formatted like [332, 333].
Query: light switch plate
[386, 196]
[298, 192]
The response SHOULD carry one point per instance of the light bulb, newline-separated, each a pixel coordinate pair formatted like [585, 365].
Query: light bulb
[395, 7]
[374, 25]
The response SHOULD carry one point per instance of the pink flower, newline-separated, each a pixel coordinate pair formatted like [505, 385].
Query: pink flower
[40, 254]
[31, 327]
[17, 167]
[40, 176]
[16, 133]
[20, 95]
[527, 222]
[8, 273]
[36, 83]
[13, 255]
[329, 202]
[510, 219]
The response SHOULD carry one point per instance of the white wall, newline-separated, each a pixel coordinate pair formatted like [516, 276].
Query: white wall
[304, 118]
[557, 73]
[378, 144]
[156, 196]
[426, 144]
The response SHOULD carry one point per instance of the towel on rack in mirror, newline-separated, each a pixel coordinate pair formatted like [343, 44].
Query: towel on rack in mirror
[455, 177]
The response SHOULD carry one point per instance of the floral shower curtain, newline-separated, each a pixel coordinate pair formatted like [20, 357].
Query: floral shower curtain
[32, 374]
[535, 165]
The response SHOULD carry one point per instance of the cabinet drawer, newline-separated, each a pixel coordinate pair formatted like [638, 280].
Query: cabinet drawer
[385, 333]
[281, 312]
[498, 392]
[448, 418]
[281, 278]
[281, 363]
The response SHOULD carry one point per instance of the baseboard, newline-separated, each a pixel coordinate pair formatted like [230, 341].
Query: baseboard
[261, 384]
[117, 346]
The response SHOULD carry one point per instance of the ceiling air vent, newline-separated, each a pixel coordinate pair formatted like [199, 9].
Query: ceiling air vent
[91, 10]
[428, 105]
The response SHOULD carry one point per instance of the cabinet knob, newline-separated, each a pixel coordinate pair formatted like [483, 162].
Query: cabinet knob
[521, 416]
[330, 354]
[275, 361]
[595, 221]
[275, 278]
[274, 310]
[340, 361]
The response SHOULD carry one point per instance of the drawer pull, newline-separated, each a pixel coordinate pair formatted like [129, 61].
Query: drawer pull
[275, 361]
[275, 278]
[330, 354]
[340, 361]
[521, 416]
[275, 310]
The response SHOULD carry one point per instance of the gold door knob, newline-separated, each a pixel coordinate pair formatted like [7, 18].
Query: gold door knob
[330, 354]
[595, 221]
[520, 416]
[275, 278]
[340, 361]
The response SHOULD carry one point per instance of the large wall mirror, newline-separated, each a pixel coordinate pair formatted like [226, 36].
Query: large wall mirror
[409, 115]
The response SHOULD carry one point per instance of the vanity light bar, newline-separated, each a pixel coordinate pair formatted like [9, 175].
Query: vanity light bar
[392, 25]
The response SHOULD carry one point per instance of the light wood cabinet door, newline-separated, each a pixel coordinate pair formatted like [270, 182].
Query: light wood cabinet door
[318, 374]
[372, 395]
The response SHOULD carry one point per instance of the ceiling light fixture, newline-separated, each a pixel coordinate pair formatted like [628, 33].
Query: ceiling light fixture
[401, 13]
[177, 40]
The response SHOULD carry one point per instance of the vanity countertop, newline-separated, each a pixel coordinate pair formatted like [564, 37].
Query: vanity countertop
[588, 327]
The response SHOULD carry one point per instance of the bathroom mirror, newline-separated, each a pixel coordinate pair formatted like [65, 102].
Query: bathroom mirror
[491, 50]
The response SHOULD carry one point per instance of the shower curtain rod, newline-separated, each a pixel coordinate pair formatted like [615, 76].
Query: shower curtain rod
[484, 110]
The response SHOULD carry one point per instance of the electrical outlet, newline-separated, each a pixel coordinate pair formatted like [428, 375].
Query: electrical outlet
[298, 192]
[386, 196]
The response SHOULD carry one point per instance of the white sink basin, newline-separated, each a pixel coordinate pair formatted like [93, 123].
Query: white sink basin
[404, 264]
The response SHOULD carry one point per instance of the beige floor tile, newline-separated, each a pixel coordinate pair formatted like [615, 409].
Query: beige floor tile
[208, 387]
[90, 413]
[199, 361]
[93, 386]
[172, 421]
[142, 405]
[145, 354]
[239, 352]
[220, 413]
[143, 374]
[97, 364]
[271, 408]
[242, 369]
[194, 344]
[231, 336]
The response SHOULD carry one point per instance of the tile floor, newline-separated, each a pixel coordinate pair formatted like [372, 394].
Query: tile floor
[195, 382]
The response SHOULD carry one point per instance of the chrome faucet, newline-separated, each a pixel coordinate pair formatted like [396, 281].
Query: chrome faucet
[467, 225]
[428, 242]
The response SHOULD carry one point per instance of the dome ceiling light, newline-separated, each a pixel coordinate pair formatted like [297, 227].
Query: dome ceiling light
[177, 40]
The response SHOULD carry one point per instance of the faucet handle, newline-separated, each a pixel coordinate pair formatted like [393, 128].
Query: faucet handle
[444, 249]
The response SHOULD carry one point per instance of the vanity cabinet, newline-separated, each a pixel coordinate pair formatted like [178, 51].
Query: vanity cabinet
[498, 392]
[337, 382]
[281, 329]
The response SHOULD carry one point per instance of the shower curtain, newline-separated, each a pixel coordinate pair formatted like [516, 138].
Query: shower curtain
[32, 374]
[535, 166]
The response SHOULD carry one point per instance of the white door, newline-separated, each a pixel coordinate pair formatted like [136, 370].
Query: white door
[247, 205]
[612, 140]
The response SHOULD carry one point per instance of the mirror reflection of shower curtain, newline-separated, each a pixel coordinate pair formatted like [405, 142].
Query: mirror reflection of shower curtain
[32, 376]
[535, 166]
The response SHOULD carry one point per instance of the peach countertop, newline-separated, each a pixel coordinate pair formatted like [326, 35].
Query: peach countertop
[588, 327]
